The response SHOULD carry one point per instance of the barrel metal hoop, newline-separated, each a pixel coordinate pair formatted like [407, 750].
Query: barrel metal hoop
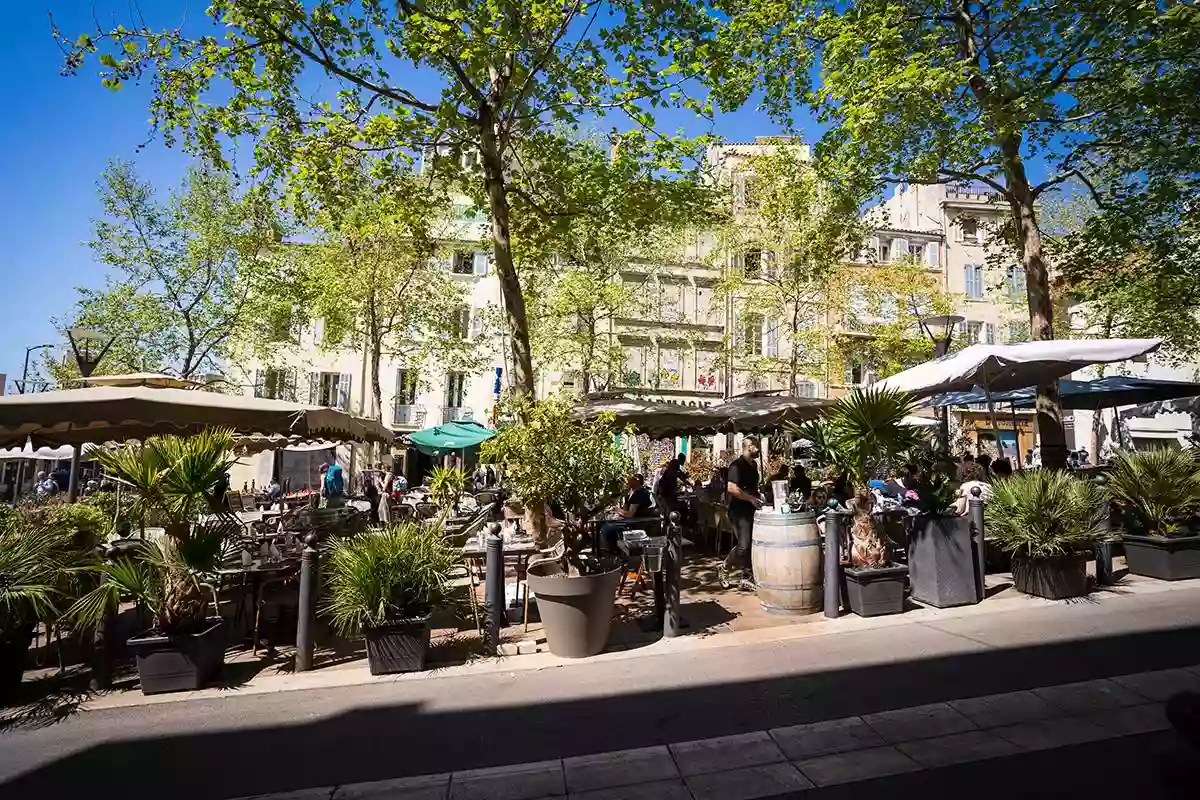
[769, 543]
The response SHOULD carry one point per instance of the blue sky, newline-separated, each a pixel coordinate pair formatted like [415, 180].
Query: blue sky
[57, 133]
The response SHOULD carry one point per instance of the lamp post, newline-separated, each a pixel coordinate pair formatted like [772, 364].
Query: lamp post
[89, 347]
[25, 370]
[940, 330]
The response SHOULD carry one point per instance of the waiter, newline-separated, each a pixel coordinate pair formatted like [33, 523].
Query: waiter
[744, 500]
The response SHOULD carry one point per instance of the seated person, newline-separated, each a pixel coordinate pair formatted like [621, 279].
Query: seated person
[637, 504]
[972, 478]
[800, 482]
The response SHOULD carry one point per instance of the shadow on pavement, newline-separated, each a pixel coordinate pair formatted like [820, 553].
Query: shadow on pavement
[385, 741]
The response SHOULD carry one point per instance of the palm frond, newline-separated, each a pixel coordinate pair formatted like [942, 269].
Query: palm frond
[32, 564]
[1043, 513]
[1159, 490]
[866, 429]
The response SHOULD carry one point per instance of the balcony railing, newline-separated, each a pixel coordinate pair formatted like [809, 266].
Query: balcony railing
[456, 414]
[408, 416]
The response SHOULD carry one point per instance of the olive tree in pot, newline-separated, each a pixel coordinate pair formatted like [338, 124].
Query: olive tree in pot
[32, 567]
[387, 584]
[1048, 522]
[172, 479]
[943, 566]
[550, 456]
[1157, 493]
[862, 432]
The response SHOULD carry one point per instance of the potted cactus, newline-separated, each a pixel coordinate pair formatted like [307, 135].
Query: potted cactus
[1157, 494]
[1048, 521]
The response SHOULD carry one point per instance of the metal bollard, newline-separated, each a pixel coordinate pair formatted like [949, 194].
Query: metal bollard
[103, 638]
[833, 561]
[975, 510]
[493, 587]
[672, 560]
[306, 612]
[1104, 567]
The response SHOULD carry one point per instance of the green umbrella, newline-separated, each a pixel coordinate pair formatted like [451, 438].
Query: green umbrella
[451, 436]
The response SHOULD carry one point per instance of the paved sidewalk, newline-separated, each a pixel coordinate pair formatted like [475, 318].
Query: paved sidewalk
[781, 761]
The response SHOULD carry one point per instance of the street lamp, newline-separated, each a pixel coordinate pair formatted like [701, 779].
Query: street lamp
[940, 330]
[90, 347]
[25, 369]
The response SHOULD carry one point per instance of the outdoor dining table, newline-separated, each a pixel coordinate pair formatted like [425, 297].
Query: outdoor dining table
[520, 549]
[256, 574]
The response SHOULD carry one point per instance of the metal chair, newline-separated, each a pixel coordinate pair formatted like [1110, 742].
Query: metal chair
[555, 553]
[426, 510]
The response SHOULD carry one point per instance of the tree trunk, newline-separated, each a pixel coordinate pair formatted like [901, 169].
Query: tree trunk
[375, 343]
[794, 366]
[510, 283]
[1052, 434]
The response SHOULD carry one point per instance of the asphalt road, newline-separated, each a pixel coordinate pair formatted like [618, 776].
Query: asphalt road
[244, 745]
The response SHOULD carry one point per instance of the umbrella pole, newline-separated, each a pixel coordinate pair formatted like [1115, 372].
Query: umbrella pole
[1012, 407]
[20, 479]
[995, 425]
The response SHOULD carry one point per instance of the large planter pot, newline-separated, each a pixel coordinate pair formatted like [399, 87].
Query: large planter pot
[1167, 558]
[575, 610]
[178, 663]
[1053, 578]
[14, 652]
[875, 591]
[399, 646]
[942, 567]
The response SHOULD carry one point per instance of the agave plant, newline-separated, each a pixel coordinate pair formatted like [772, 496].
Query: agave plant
[398, 573]
[446, 487]
[1043, 513]
[1158, 490]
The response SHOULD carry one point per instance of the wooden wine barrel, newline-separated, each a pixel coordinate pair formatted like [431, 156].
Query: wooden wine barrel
[786, 553]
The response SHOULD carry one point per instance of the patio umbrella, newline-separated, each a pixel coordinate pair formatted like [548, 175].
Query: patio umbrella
[758, 412]
[450, 436]
[655, 419]
[119, 413]
[1116, 390]
[1000, 367]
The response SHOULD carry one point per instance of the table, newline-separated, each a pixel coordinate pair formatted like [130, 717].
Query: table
[521, 549]
[257, 571]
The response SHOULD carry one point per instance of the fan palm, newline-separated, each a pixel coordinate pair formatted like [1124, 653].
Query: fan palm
[1043, 514]
[400, 572]
[32, 563]
[1159, 489]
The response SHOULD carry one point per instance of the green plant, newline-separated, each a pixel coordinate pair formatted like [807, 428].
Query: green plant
[32, 565]
[446, 487]
[551, 455]
[398, 573]
[1043, 513]
[937, 485]
[1158, 490]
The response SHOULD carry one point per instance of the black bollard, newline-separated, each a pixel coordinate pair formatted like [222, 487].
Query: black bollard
[1104, 567]
[833, 561]
[975, 510]
[672, 560]
[306, 612]
[103, 638]
[493, 587]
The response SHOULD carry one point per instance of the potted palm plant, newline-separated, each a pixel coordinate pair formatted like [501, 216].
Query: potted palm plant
[386, 584]
[861, 432]
[1158, 496]
[172, 479]
[1048, 522]
[942, 566]
[446, 487]
[31, 573]
[550, 456]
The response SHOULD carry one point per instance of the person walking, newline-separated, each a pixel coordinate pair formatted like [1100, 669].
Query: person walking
[744, 500]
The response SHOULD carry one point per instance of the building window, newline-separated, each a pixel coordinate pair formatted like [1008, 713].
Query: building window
[463, 262]
[917, 251]
[806, 389]
[973, 331]
[989, 333]
[970, 229]
[1018, 331]
[462, 323]
[456, 389]
[329, 389]
[275, 384]
[752, 263]
[752, 334]
[1016, 283]
[974, 280]
[406, 387]
[885, 253]
[855, 374]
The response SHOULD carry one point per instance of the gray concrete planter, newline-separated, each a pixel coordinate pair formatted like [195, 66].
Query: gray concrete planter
[14, 652]
[1173, 558]
[576, 610]
[399, 646]
[942, 567]
[1052, 578]
[875, 591]
[180, 662]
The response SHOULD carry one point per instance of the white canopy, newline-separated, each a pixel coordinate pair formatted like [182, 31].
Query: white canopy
[1000, 367]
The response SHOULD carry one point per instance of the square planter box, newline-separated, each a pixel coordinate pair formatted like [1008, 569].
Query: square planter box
[1052, 578]
[1167, 558]
[399, 646]
[875, 591]
[942, 565]
[179, 663]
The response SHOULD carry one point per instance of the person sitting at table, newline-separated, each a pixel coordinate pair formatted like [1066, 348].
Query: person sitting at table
[637, 504]
[800, 482]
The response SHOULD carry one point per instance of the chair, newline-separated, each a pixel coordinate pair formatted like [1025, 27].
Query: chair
[426, 510]
[485, 498]
[403, 512]
[555, 553]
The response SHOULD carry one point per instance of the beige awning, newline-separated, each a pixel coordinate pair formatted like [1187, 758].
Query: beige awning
[118, 413]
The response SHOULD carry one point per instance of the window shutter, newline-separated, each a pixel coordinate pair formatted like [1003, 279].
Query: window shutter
[291, 385]
[874, 255]
[318, 330]
[476, 323]
[899, 249]
[344, 391]
[931, 254]
[989, 332]
[481, 262]
[770, 339]
[314, 388]
[258, 383]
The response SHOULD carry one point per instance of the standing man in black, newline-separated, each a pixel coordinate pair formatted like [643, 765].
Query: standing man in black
[744, 500]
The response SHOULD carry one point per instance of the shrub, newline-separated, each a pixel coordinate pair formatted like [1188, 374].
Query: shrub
[1158, 491]
[1043, 513]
